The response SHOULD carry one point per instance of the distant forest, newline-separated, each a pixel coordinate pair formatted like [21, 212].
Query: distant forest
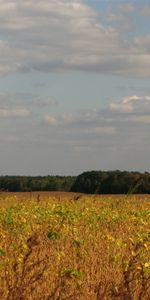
[92, 182]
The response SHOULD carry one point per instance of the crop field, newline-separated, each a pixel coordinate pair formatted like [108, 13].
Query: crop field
[63, 246]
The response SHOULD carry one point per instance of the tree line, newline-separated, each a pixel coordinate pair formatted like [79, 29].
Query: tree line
[112, 182]
[36, 183]
[91, 182]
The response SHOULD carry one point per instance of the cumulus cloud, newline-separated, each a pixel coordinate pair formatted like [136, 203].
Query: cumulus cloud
[60, 35]
[117, 117]
[5, 113]
[51, 120]
[107, 134]
[132, 104]
[81, 123]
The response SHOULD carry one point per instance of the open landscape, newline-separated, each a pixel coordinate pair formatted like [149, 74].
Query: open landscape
[59, 246]
[74, 150]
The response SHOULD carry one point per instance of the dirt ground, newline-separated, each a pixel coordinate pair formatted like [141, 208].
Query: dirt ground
[56, 194]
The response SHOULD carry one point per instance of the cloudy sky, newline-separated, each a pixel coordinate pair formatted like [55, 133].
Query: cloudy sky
[74, 86]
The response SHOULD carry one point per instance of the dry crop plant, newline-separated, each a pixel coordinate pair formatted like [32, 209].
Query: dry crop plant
[95, 248]
[135, 285]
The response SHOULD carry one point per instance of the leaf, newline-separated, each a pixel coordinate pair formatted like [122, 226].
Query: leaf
[2, 252]
[53, 235]
[72, 273]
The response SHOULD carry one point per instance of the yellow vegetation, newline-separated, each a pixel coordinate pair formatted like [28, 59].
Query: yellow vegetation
[95, 248]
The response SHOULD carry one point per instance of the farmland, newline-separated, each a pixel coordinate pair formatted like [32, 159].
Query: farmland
[63, 246]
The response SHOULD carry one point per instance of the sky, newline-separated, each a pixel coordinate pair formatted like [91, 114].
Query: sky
[74, 86]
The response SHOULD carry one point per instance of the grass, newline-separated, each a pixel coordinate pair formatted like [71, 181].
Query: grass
[96, 247]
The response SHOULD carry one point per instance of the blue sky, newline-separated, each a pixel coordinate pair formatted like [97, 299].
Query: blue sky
[74, 86]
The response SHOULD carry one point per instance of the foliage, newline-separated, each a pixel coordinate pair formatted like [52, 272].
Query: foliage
[37, 183]
[112, 182]
[92, 182]
[95, 248]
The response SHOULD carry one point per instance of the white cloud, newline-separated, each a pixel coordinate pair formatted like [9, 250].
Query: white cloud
[51, 120]
[121, 107]
[131, 104]
[98, 133]
[80, 123]
[60, 35]
[63, 119]
[130, 110]
[18, 112]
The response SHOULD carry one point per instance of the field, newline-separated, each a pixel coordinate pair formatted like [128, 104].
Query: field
[63, 246]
